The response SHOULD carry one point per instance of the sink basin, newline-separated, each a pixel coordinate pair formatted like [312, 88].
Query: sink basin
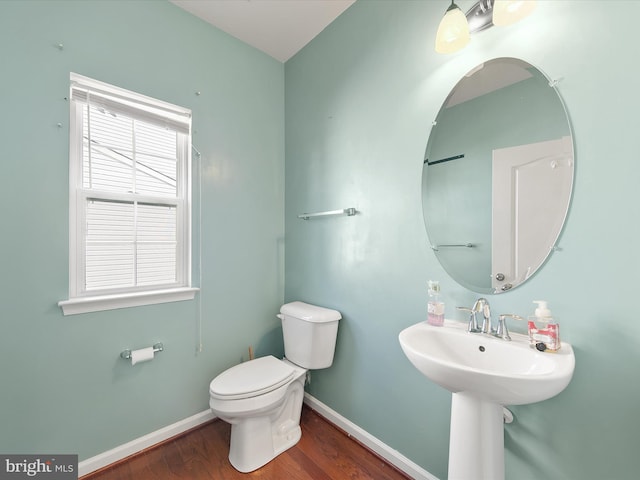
[492, 369]
[483, 373]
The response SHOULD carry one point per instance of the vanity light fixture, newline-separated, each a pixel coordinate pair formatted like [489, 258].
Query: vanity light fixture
[453, 32]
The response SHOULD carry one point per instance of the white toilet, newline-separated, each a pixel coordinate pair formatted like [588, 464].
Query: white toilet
[262, 398]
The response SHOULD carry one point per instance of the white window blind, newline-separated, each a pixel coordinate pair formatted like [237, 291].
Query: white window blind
[130, 191]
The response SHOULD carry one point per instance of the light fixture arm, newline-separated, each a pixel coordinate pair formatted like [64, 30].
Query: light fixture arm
[480, 16]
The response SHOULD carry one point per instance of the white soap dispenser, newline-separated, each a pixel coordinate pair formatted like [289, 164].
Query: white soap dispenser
[544, 331]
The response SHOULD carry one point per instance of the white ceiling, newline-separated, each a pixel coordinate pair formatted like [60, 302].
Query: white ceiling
[279, 28]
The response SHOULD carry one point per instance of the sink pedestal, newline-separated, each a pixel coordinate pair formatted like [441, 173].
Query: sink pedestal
[476, 446]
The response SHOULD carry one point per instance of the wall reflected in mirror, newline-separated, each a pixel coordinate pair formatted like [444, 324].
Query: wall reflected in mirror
[497, 176]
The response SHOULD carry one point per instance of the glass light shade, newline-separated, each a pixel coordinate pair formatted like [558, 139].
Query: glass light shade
[506, 12]
[453, 31]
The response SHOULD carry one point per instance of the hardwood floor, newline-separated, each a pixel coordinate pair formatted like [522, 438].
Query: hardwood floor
[323, 453]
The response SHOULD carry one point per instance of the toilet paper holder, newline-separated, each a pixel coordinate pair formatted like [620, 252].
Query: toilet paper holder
[126, 354]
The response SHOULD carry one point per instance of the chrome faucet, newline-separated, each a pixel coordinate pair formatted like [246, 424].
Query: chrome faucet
[482, 306]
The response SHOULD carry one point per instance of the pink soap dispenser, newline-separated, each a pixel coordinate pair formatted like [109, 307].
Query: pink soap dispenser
[435, 308]
[544, 331]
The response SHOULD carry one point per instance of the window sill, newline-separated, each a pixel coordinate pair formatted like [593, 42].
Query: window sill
[74, 306]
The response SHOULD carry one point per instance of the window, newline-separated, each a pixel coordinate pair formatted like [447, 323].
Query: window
[130, 199]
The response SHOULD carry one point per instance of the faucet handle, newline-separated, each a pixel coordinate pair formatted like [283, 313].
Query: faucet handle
[473, 320]
[502, 331]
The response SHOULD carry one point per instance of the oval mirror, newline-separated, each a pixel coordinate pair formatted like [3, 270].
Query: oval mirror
[497, 175]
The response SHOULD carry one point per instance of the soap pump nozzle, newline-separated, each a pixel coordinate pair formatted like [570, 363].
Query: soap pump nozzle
[542, 311]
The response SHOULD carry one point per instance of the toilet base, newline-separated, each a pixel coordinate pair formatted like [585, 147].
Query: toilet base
[255, 441]
[253, 445]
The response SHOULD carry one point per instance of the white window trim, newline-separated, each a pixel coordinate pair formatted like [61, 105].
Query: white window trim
[85, 302]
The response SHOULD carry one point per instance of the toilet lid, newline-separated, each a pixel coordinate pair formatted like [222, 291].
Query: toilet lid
[250, 379]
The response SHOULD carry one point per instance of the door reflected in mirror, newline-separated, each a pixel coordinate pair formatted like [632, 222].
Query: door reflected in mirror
[497, 176]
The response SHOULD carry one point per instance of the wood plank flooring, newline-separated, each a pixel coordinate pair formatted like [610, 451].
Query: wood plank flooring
[323, 453]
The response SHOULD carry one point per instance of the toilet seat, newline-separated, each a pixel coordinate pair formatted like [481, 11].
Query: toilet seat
[251, 379]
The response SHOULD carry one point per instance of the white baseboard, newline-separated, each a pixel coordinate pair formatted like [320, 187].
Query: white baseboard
[385, 451]
[123, 451]
[392, 456]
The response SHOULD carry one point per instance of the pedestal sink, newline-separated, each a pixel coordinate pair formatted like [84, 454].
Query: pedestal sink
[483, 373]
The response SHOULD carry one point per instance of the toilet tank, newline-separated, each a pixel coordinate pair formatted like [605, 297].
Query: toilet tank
[309, 334]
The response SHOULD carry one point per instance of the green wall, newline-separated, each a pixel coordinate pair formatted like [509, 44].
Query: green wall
[360, 100]
[64, 387]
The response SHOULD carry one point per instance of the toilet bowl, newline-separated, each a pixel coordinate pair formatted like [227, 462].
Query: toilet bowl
[262, 398]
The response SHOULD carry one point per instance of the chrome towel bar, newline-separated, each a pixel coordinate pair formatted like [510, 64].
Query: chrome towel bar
[346, 211]
[467, 245]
